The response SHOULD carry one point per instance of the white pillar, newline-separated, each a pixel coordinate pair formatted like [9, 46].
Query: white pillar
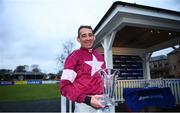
[146, 67]
[107, 45]
[108, 56]
[63, 104]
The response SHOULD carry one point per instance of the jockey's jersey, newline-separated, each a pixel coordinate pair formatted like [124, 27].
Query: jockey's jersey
[80, 76]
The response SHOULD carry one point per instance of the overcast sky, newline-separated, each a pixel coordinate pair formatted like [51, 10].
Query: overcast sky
[32, 31]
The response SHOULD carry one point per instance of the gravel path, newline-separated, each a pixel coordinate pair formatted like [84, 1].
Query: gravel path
[32, 106]
[55, 106]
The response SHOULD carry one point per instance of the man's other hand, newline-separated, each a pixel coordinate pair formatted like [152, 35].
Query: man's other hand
[96, 101]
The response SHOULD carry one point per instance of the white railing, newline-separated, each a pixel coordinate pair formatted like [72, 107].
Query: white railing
[174, 84]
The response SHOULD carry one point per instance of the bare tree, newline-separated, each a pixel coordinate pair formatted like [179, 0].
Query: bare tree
[67, 49]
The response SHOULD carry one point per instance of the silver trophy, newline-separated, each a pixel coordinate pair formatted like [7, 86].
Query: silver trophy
[109, 81]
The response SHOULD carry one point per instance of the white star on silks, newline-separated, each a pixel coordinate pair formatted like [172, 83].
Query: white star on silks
[95, 64]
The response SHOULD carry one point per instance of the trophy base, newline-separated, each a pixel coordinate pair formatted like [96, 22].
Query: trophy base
[108, 102]
[107, 109]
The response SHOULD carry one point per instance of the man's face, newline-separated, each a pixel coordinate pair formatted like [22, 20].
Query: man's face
[86, 38]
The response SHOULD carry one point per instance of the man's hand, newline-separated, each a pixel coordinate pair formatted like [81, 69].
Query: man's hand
[96, 101]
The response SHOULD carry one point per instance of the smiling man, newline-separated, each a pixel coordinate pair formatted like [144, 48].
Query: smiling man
[80, 81]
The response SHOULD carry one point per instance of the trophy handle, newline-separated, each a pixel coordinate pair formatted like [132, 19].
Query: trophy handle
[115, 75]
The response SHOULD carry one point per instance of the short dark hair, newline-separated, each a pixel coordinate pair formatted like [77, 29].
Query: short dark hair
[84, 26]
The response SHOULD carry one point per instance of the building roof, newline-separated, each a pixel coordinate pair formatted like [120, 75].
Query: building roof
[174, 52]
[157, 58]
[27, 73]
[115, 4]
[138, 26]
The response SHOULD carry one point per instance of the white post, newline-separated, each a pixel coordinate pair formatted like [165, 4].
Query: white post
[63, 104]
[107, 45]
[107, 55]
[146, 67]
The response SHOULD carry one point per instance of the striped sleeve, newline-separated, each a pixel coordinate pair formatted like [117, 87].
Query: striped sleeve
[68, 74]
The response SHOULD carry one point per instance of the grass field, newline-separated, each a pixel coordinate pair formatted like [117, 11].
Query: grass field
[23, 92]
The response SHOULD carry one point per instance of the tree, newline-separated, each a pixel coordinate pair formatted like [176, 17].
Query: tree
[35, 68]
[21, 68]
[5, 74]
[67, 49]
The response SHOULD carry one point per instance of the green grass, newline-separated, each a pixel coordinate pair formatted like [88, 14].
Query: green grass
[25, 92]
